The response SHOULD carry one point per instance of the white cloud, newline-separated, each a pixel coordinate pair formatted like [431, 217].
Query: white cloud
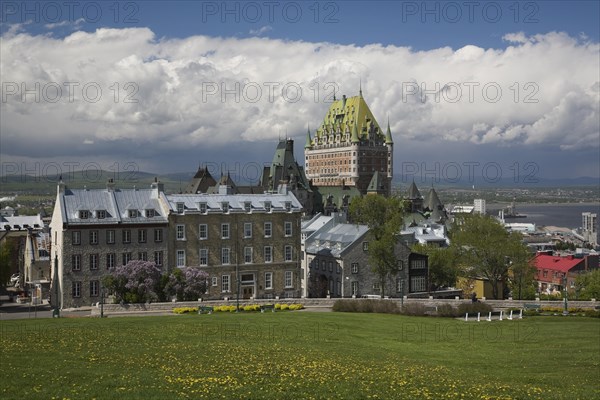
[204, 91]
[262, 30]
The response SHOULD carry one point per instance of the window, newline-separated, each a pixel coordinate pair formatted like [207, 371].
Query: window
[268, 254]
[94, 288]
[101, 214]
[247, 255]
[126, 236]
[76, 262]
[150, 213]
[400, 286]
[330, 266]
[180, 232]
[268, 280]
[215, 281]
[268, 229]
[180, 258]
[376, 286]
[354, 268]
[267, 206]
[288, 253]
[93, 261]
[202, 208]
[110, 260]
[545, 273]
[365, 246]
[158, 235]
[224, 231]
[143, 256]
[180, 207]
[203, 257]
[76, 237]
[225, 206]
[225, 283]
[287, 228]
[141, 236]
[337, 268]
[417, 284]
[354, 288]
[247, 230]
[247, 206]
[76, 289]
[110, 236]
[203, 231]
[225, 259]
[288, 281]
[126, 258]
[93, 237]
[133, 213]
[418, 264]
[84, 214]
[288, 206]
[158, 258]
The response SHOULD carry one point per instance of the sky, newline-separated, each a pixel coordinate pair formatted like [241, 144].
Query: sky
[477, 89]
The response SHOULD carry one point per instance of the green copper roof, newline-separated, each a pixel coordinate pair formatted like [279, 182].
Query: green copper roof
[308, 144]
[354, 138]
[388, 135]
[377, 183]
[346, 113]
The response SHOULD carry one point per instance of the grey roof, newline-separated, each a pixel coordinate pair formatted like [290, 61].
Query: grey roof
[116, 203]
[237, 202]
[335, 239]
[316, 222]
[432, 201]
[413, 192]
[21, 221]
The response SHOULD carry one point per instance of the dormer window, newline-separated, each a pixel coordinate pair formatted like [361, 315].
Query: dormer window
[248, 206]
[288, 206]
[133, 213]
[267, 206]
[225, 206]
[100, 214]
[150, 213]
[202, 207]
[84, 214]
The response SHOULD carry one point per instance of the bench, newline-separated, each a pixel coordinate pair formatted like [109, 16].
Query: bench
[205, 310]
[267, 307]
[535, 307]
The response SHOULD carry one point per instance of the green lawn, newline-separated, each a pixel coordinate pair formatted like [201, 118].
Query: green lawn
[299, 355]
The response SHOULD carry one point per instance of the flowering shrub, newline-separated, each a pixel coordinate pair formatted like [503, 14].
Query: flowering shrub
[185, 310]
[136, 282]
[188, 284]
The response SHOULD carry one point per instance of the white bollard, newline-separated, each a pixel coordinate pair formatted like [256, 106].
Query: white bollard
[466, 316]
[489, 318]
[510, 316]
[500, 315]
[521, 314]
[478, 315]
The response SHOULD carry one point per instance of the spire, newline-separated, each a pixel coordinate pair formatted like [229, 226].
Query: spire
[388, 135]
[308, 144]
[334, 93]
[360, 87]
[354, 137]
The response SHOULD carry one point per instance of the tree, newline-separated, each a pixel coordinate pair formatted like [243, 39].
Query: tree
[5, 260]
[187, 284]
[443, 265]
[383, 216]
[487, 249]
[521, 279]
[136, 282]
[588, 285]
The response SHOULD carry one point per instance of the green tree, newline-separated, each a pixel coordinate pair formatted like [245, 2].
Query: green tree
[521, 279]
[443, 265]
[588, 285]
[487, 249]
[5, 260]
[383, 216]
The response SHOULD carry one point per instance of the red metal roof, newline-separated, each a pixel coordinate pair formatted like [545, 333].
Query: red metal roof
[556, 263]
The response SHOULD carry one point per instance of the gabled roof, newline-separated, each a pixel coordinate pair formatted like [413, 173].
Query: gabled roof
[335, 238]
[377, 183]
[556, 263]
[201, 182]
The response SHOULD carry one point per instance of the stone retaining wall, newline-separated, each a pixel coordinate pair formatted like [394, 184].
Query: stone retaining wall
[496, 304]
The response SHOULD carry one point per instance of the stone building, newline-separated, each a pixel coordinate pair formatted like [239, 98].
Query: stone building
[336, 263]
[349, 151]
[249, 244]
[94, 230]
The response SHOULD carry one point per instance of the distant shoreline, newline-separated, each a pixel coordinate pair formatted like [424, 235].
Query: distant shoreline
[545, 204]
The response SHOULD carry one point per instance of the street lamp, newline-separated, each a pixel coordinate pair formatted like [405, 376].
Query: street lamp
[566, 311]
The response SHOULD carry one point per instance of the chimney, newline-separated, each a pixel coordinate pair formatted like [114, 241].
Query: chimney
[157, 187]
[110, 185]
[61, 186]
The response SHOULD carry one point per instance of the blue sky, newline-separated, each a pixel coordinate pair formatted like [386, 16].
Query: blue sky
[177, 58]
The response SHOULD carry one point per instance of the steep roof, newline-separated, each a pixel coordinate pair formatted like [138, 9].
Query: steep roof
[432, 201]
[284, 167]
[236, 202]
[201, 182]
[413, 192]
[377, 183]
[556, 263]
